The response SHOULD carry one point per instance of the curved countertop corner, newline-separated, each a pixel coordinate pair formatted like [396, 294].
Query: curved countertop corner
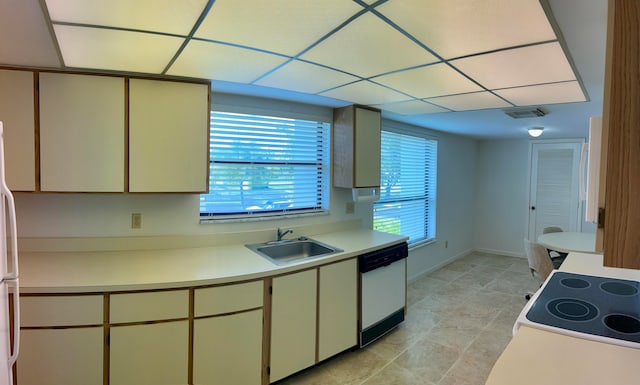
[112, 271]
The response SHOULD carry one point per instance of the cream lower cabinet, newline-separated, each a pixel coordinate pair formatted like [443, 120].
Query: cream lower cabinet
[149, 338]
[61, 340]
[337, 308]
[318, 305]
[293, 323]
[227, 334]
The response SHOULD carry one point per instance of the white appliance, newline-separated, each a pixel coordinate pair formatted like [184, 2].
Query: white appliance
[383, 278]
[9, 276]
[593, 149]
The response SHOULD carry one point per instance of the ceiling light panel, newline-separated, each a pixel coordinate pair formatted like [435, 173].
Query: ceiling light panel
[434, 80]
[170, 16]
[472, 101]
[116, 50]
[565, 92]
[304, 77]
[365, 92]
[537, 64]
[222, 62]
[454, 28]
[281, 26]
[412, 107]
[26, 38]
[368, 46]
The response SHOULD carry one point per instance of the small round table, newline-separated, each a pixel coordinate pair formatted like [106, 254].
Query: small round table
[567, 241]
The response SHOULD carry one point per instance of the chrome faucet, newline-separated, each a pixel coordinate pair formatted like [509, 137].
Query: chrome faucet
[283, 233]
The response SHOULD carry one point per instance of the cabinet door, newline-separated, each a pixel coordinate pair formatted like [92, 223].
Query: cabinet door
[149, 354]
[81, 133]
[60, 356]
[338, 308]
[17, 114]
[168, 136]
[293, 323]
[367, 148]
[228, 349]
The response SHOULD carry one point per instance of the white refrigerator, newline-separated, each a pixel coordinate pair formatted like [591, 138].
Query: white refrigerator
[9, 273]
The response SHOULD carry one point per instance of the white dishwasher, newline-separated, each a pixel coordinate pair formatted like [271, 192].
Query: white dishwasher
[383, 288]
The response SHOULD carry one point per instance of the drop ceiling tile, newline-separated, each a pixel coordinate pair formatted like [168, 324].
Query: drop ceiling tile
[169, 16]
[434, 80]
[304, 77]
[365, 92]
[544, 63]
[454, 28]
[218, 61]
[116, 50]
[471, 101]
[25, 36]
[281, 26]
[412, 107]
[368, 46]
[565, 92]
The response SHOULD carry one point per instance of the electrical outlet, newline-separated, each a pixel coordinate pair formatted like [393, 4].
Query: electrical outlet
[136, 220]
[350, 208]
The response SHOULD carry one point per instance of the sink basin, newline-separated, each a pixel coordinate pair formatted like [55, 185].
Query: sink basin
[287, 251]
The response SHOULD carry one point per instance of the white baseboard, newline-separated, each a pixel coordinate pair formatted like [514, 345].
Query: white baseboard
[501, 252]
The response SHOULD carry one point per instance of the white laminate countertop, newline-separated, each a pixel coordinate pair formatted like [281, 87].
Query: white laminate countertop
[537, 357]
[109, 271]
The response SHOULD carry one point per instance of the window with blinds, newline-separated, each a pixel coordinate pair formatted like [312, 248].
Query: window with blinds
[265, 165]
[407, 203]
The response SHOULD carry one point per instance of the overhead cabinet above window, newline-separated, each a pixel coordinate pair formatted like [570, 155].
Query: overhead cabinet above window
[356, 147]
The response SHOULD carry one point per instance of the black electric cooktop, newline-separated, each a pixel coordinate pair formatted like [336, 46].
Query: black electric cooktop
[597, 308]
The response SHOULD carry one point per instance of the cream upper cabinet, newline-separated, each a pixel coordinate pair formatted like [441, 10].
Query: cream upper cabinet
[356, 147]
[82, 133]
[17, 113]
[168, 136]
[337, 308]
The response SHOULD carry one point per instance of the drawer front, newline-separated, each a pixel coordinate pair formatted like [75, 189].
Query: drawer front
[151, 306]
[228, 299]
[61, 311]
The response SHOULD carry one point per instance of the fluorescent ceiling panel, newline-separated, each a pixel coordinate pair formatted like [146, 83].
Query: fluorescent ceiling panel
[412, 107]
[217, 61]
[454, 28]
[434, 80]
[472, 101]
[25, 36]
[365, 92]
[368, 46]
[115, 50]
[565, 92]
[544, 63]
[281, 26]
[304, 77]
[169, 16]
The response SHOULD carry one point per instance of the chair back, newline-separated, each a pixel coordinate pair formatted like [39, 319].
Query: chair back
[539, 261]
[552, 229]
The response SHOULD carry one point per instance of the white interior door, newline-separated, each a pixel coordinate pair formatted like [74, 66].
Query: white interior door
[554, 198]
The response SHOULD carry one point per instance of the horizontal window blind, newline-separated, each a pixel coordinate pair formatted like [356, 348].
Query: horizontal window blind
[266, 165]
[407, 187]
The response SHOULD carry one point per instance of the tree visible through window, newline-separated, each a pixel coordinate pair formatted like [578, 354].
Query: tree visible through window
[407, 203]
[266, 165]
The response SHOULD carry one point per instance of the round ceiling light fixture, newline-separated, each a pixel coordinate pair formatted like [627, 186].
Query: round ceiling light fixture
[536, 131]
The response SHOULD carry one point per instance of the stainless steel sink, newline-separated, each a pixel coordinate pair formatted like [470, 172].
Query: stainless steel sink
[292, 250]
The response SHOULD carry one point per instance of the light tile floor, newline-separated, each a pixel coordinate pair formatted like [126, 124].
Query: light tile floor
[459, 321]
